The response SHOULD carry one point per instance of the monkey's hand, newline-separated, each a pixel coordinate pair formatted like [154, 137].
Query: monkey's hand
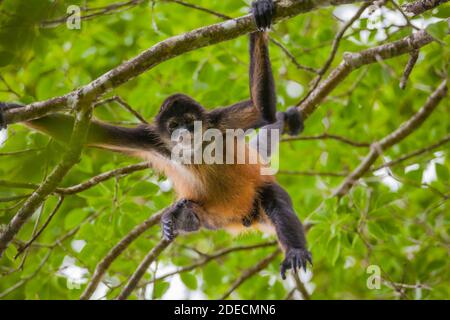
[4, 106]
[296, 258]
[293, 121]
[180, 217]
[263, 12]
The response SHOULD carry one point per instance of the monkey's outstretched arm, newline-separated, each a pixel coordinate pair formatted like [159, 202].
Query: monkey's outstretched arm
[103, 135]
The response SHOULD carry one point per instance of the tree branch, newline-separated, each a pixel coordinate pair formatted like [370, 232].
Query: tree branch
[420, 6]
[353, 61]
[142, 269]
[395, 137]
[300, 286]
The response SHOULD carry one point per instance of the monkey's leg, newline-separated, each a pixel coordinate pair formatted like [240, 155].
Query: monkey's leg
[180, 217]
[278, 207]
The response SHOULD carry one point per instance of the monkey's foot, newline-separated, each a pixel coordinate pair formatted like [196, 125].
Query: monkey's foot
[293, 121]
[180, 218]
[295, 259]
[263, 12]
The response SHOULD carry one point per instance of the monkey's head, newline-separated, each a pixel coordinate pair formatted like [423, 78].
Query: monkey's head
[177, 115]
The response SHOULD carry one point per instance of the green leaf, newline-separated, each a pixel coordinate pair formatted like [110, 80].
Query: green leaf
[160, 288]
[189, 280]
[75, 217]
[438, 30]
[442, 172]
[144, 188]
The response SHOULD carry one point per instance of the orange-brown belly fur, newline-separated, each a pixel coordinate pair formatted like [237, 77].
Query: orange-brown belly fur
[226, 192]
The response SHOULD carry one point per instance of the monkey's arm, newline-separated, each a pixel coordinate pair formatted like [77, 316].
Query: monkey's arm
[103, 135]
[261, 108]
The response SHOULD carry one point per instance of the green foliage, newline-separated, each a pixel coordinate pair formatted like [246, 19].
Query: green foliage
[404, 230]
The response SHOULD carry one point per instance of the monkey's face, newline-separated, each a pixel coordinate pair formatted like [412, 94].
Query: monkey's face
[179, 116]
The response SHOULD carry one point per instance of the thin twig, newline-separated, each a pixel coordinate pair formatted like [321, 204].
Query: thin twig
[247, 274]
[312, 173]
[124, 105]
[413, 56]
[103, 177]
[326, 136]
[50, 217]
[20, 152]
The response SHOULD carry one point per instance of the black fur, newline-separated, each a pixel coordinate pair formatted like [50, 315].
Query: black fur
[294, 121]
[277, 204]
[179, 106]
[263, 12]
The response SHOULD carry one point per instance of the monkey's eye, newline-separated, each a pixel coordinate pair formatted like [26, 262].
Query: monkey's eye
[173, 125]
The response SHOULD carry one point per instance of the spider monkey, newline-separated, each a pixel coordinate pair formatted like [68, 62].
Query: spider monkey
[231, 196]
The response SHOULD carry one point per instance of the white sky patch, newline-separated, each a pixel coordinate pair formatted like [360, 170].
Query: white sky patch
[75, 275]
[323, 158]
[387, 180]
[410, 251]
[100, 292]
[294, 89]
[3, 136]
[429, 175]
[78, 245]
[345, 12]
[349, 262]
[177, 289]
[165, 185]
[306, 278]
[412, 167]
